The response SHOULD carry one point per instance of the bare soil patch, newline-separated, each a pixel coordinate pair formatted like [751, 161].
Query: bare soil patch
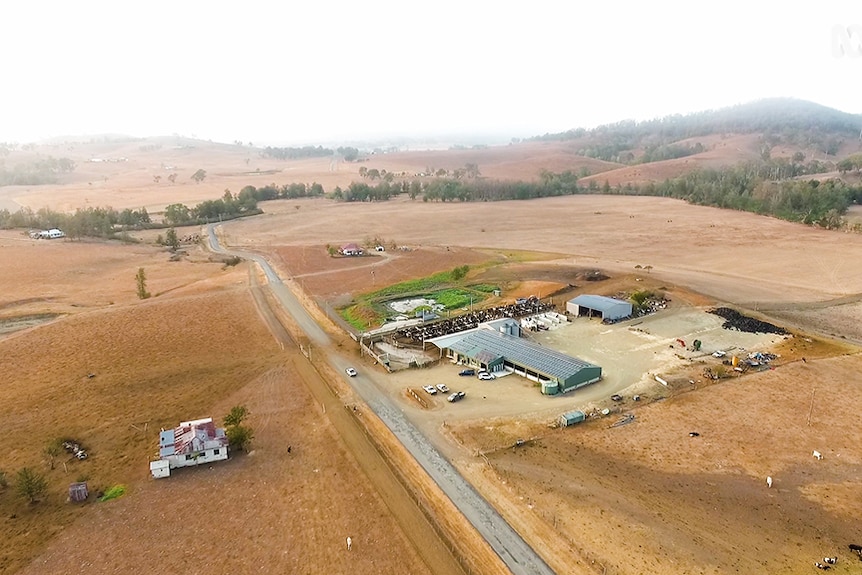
[648, 498]
[337, 278]
[732, 256]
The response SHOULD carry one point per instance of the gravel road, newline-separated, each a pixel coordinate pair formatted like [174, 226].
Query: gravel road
[512, 549]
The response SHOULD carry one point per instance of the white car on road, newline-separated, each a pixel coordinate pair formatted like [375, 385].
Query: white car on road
[350, 371]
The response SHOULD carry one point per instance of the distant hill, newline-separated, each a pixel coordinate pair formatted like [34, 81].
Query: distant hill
[780, 121]
[767, 115]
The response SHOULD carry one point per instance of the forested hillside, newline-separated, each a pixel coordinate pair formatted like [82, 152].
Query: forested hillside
[779, 120]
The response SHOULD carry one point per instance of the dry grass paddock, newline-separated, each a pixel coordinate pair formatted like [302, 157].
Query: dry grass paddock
[195, 350]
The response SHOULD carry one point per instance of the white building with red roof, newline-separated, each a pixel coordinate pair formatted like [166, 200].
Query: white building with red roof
[351, 250]
[190, 443]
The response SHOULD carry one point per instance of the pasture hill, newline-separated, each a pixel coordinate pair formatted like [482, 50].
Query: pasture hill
[811, 137]
[803, 136]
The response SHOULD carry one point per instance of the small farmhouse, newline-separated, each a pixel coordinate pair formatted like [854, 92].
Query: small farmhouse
[191, 443]
[350, 250]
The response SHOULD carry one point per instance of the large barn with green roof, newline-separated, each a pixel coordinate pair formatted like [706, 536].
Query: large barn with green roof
[499, 349]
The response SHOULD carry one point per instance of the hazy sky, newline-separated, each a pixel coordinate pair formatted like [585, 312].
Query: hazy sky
[319, 72]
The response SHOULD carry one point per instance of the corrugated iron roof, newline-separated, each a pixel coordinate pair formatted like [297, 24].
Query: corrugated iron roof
[488, 343]
[185, 439]
[598, 302]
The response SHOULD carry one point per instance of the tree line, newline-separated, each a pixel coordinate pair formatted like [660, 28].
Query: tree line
[106, 222]
[36, 172]
[850, 164]
[765, 187]
[349, 153]
[85, 222]
[291, 153]
[284, 192]
[228, 207]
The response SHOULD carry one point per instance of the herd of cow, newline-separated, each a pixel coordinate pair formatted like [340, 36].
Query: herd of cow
[417, 335]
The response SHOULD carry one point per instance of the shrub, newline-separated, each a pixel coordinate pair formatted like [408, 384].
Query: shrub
[113, 492]
[239, 436]
[30, 484]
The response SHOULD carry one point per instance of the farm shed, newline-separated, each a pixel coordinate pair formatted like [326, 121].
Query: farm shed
[572, 417]
[191, 443]
[605, 307]
[497, 351]
[78, 492]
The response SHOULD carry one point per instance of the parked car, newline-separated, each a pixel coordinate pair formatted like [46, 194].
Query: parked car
[485, 375]
[430, 389]
[350, 371]
[457, 396]
[467, 372]
[442, 387]
[617, 397]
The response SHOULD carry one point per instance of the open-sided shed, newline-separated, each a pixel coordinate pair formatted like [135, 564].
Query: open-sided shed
[605, 307]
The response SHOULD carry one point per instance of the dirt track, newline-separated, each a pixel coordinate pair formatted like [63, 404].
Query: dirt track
[406, 513]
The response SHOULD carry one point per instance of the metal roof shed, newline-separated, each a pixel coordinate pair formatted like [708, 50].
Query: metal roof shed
[572, 418]
[78, 492]
[606, 307]
[528, 359]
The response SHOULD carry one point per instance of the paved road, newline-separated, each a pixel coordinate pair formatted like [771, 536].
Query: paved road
[512, 549]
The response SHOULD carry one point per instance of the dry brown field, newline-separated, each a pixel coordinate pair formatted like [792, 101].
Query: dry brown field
[642, 498]
[195, 349]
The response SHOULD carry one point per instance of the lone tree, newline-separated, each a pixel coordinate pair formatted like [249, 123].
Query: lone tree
[199, 176]
[236, 416]
[171, 239]
[30, 484]
[141, 279]
[239, 436]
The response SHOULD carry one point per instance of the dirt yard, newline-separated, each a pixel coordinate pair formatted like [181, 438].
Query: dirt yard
[648, 498]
